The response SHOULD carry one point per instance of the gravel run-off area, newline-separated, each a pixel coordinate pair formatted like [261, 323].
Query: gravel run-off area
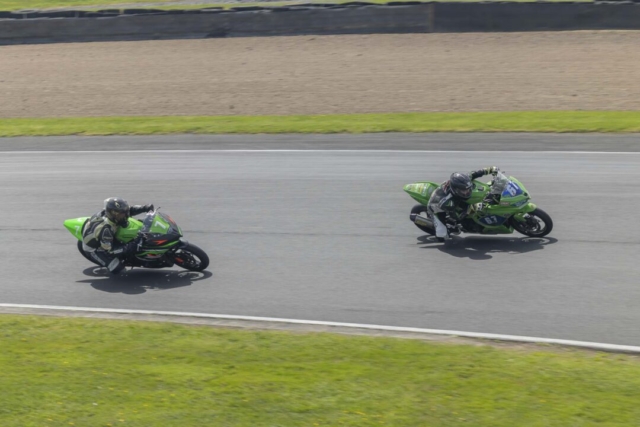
[579, 70]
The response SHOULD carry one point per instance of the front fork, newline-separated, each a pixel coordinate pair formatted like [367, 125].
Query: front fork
[170, 255]
[521, 216]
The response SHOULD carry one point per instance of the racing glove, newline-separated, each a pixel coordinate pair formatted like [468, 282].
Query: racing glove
[148, 208]
[492, 170]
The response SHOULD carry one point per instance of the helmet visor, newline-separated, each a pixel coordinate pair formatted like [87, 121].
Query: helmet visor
[119, 216]
[464, 192]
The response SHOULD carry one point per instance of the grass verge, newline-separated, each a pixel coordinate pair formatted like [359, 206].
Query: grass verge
[88, 372]
[531, 121]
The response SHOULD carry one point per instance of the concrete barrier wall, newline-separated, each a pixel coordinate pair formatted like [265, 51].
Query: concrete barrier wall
[356, 18]
[459, 17]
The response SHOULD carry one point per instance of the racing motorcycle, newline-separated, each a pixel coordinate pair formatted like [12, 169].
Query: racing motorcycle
[162, 244]
[513, 212]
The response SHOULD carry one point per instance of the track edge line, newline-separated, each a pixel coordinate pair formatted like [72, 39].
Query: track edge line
[47, 309]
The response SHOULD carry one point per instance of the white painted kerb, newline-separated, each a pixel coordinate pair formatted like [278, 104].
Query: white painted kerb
[499, 337]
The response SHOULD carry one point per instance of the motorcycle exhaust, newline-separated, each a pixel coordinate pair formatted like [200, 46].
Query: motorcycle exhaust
[420, 220]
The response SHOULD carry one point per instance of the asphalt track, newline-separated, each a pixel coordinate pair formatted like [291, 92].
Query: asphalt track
[316, 233]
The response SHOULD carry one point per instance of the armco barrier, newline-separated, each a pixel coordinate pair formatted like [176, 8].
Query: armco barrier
[285, 21]
[351, 18]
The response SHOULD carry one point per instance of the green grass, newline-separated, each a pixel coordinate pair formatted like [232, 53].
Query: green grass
[49, 4]
[536, 121]
[89, 372]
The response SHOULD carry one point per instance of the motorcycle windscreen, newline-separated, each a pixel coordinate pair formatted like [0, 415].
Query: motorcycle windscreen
[511, 189]
[161, 224]
[514, 194]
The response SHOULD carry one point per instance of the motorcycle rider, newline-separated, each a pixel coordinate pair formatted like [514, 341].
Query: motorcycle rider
[453, 194]
[98, 234]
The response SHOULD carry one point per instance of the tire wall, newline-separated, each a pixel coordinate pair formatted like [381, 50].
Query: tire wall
[356, 18]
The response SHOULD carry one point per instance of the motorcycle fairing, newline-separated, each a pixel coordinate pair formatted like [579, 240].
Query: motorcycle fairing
[494, 219]
[75, 225]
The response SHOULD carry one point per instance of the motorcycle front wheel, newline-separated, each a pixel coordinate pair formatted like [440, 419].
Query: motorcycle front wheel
[191, 258]
[536, 224]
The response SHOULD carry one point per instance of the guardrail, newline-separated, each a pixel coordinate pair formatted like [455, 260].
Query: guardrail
[350, 18]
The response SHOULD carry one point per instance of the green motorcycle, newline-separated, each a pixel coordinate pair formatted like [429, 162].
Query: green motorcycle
[514, 211]
[162, 247]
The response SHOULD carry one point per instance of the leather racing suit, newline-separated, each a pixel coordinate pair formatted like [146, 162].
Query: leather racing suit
[99, 239]
[444, 202]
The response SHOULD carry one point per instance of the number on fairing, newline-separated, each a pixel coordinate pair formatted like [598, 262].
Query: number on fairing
[512, 190]
[490, 220]
[161, 225]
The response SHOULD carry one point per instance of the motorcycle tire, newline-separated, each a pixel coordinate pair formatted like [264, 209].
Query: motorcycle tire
[521, 227]
[187, 260]
[84, 254]
[418, 209]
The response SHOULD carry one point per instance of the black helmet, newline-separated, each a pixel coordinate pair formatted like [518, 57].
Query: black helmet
[117, 210]
[461, 185]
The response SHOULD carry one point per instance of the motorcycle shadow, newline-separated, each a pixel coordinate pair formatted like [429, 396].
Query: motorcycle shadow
[139, 281]
[481, 247]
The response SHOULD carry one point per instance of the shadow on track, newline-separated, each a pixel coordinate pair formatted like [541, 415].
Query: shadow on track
[136, 282]
[481, 247]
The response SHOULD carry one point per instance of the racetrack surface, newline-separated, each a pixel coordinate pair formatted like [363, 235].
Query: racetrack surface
[325, 235]
[442, 141]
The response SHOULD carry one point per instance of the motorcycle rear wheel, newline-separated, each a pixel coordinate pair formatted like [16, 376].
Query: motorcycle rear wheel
[531, 226]
[418, 210]
[84, 254]
[191, 258]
